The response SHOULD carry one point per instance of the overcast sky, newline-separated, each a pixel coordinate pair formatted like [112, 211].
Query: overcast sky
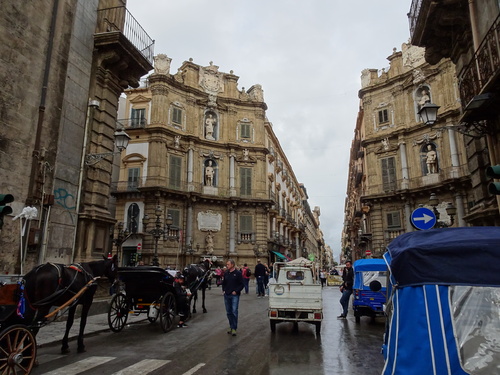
[307, 55]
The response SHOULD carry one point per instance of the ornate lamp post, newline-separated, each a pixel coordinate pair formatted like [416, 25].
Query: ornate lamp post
[191, 250]
[428, 113]
[451, 210]
[156, 232]
[122, 236]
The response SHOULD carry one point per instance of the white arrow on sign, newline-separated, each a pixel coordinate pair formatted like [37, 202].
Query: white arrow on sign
[426, 218]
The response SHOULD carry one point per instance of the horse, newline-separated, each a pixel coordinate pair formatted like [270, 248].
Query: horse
[53, 284]
[198, 277]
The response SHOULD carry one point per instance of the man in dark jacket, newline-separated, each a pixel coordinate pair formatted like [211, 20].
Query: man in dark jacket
[182, 295]
[260, 276]
[232, 285]
[346, 288]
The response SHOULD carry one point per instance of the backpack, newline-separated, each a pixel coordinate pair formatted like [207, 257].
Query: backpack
[248, 273]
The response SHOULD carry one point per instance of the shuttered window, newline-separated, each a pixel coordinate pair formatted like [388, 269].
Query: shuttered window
[245, 181]
[174, 172]
[389, 174]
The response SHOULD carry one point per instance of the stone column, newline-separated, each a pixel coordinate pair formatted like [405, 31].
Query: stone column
[404, 166]
[232, 233]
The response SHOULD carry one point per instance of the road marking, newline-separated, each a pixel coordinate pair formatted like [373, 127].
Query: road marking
[80, 366]
[46, 358]
[143, 367]
[194, 369]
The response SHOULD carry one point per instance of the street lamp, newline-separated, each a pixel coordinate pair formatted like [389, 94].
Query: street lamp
[122, 236]
[121, 143]
[428, 113]
[156, 232]
[451, 210]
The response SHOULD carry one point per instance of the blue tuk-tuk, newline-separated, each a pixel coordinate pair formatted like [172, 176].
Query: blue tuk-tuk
[369, 290]
[443, 309]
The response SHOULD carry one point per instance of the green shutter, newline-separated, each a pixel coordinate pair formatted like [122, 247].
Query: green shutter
[388, 174]
[245, 181]
[246, 223]
[174, 172]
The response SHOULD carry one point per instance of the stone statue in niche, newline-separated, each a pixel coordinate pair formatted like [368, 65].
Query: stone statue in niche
[209, 174]
[431, 160]
[209, 242]
[424, 98]
[177, 141]
[245, 154]
[210, 122]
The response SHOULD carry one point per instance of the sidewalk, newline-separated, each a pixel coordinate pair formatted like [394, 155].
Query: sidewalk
[97, 321]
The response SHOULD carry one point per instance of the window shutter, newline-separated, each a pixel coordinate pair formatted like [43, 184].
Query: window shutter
[174, 172]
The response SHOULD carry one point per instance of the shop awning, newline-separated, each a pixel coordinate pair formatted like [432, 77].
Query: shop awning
[281, 256]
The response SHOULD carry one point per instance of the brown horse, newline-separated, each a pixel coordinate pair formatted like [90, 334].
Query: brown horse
[52, 284]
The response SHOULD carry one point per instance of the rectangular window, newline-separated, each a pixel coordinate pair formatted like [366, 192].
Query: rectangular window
[246, 223]
[245, 181]
[133, 178]
[389, 174]
[176, 217]
[174, 172]
[138, 117]
[245, 131]
[393, 220]
[383, 116]
[176, 115]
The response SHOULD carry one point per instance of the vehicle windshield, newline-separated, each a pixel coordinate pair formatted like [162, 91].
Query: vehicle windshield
[369, 276]
[476, 321]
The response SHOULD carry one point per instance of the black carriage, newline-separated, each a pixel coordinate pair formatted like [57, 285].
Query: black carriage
[147, 290]
[17, 340]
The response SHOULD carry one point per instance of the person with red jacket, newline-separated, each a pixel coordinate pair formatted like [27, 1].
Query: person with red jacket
[245, 272]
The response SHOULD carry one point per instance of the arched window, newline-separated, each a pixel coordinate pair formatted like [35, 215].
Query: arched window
[133, 215]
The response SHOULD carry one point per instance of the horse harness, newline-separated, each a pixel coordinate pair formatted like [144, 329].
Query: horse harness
[77, 267]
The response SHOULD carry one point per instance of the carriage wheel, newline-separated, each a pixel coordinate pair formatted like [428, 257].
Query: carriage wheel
[153, 312]
[118, 312]
[17, 350]
[168, 311]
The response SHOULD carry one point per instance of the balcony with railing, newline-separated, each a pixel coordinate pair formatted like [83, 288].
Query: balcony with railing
[132, 123]
[484, 68]
[119, 19]
[120, 38]
[445, 175]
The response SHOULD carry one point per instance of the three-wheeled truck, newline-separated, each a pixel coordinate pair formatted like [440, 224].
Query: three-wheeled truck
[443, 310]
[369, 290]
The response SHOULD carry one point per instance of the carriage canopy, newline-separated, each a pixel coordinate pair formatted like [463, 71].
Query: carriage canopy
[443, 311]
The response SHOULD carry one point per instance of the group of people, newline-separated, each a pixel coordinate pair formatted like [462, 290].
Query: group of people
[234, 280]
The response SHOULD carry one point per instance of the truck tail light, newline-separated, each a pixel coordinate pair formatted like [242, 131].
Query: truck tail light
[273, 314]
[317, 316]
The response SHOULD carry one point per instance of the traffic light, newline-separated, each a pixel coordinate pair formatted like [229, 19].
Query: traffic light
[5, 210]
[493, 172]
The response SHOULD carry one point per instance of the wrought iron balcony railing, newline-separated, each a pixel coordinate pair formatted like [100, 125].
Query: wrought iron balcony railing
[119, 19]
[485, 65]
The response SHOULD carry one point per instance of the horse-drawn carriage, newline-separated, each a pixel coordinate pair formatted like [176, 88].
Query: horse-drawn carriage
[147, 290]
[26, 303]
[17, 340]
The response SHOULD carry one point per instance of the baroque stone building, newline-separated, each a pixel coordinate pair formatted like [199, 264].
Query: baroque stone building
[64, 65]
[206, 168]
[467, 32]
[397, 162]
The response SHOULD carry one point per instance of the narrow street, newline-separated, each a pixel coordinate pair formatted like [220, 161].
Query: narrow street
[343, 348]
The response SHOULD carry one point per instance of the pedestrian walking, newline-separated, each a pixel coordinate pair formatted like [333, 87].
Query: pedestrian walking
[245, 272]
[346, 288]
[232, 285]
[260, 276]
[322, 278]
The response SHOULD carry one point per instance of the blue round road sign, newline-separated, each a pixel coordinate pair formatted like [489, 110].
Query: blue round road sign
[423, 218]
